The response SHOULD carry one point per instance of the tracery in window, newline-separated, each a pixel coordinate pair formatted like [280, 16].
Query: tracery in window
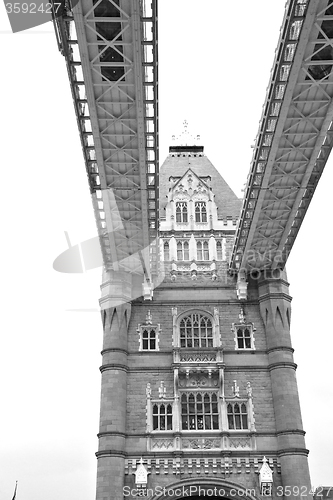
[162, 417]
[181, 211]
[196, 331]
[148, 339]
[149, 334]
[199, 411]
[219, 250]
[202, 250]
[200, 211]
[237, 416]
[183, 250]
[244, 338]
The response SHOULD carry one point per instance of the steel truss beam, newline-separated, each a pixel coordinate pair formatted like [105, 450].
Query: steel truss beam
[294, 140]
[110, 48]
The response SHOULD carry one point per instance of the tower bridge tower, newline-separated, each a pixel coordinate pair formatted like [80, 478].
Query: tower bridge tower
[198, 383]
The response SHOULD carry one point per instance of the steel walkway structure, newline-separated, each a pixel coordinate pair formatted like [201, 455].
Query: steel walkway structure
[110, 47]
[294, 140]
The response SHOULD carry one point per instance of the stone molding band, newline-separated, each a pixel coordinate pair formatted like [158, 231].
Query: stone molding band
[293, 451]
[113, 366]
[282, 364]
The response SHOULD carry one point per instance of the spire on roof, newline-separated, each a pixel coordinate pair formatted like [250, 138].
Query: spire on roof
[185, 141]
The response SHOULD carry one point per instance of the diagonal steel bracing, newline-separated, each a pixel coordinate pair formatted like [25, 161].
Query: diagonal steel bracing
[110, 48]
[294, 140]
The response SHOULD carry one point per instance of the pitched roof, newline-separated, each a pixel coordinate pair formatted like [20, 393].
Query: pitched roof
[177, 165]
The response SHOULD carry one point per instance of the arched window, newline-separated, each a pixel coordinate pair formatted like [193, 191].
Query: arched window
[200, 211]
[199, 411]
[196, 331]
[202, 250]
[219, 250]
[244, 338]
[166, 251]
[148, 339]
[162, 417]
[237, 416]
[183, 250]
[181, 211]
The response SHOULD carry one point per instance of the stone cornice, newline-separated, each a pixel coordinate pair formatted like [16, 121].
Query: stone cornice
[275, 295]
[293, 451]
[114, 349]
[282, 364]
[113, 366]
[281, 348]
[111, 453]
[291, 431]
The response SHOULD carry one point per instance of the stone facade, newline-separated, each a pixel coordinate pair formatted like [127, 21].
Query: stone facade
[198, 386]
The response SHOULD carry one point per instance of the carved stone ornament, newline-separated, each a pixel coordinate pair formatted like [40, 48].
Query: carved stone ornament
[141, 474]
[265, 473]
[201, 443]
[204, 379]
[162, 390]
[249, 390]
[235, 389]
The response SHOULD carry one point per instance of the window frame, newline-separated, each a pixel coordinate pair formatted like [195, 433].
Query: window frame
[166, 244]
[149, 328]
[158, 416]
[202, 339]
[241, 414]
[182, 213]
[200, 211]
[185, 251]
[196, 418]
[219, 252]
[243, 327]
[202, 250]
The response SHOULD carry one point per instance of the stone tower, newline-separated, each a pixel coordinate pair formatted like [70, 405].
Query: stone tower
[199, 395]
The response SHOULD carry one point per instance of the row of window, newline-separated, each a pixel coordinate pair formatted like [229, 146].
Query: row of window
[200, 212]
[197, 336]
[183, 250]
[199, 411]
[196, 331]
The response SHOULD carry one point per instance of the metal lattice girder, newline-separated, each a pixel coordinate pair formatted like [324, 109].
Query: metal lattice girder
[110, 48]
[294, 140]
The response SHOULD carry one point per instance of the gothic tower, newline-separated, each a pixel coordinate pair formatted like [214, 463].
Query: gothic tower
[199, 394]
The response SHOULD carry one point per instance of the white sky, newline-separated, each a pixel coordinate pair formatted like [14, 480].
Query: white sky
[215, 59]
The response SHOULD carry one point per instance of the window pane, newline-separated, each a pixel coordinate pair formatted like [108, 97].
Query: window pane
[215, 422]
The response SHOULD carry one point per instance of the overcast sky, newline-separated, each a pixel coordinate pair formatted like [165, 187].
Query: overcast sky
[215, 59]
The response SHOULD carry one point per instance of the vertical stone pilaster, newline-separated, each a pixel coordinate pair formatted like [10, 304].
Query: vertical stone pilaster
[116, 310]
[275, 311]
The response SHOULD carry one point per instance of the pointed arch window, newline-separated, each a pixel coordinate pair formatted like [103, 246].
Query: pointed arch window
[202, 250]
[181, 212]
[196, 331]
[200, 211]
[183, 252]
[166, 250]
[162, 417]
[148, 339]
[244, 337]
[199, 411]
[219, 250]
[237, 416]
